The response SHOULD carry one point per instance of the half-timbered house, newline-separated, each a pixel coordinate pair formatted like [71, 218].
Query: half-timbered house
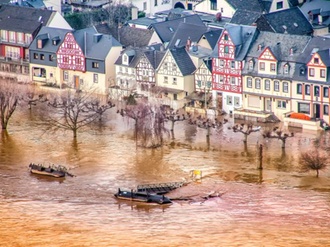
[175, 78]
[228, 61]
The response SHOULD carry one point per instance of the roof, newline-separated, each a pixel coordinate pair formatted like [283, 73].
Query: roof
[291, 21]
[183, 60]
[23, 19]
[245, 17]
[242, 37]
[166, 29]
[252, 5]
[186, 31]
[212, 36]
[127, 36]
[154, 57]
[135, 54]
[145, 21]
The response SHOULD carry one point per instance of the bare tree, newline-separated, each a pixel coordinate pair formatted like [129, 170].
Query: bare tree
[173, 116]
[149, 123]
[10, 97]
[206, 123]
[33, 96]
[75, 110]
[276, 133]
[245, 129]
[313, 160]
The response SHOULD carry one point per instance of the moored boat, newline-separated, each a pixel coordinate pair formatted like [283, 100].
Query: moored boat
[52, 171]
[142, 197]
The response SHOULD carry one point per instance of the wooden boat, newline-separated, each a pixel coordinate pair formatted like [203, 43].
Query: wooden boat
[52, 171]
[142, 197]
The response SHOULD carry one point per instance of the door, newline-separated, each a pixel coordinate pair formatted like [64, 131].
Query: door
[316, 111]
[268, 105]
[76, 82]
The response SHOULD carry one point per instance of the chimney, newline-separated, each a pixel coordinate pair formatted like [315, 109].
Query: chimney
[188, 44]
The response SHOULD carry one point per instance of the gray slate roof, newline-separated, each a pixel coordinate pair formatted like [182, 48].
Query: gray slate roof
[183, 61]
[291, 21]
[186, 31]
[23, 19]
[245, 17]
[154, 57]
[242, 36]
[212, 36]
[251, 5]
[166, 29]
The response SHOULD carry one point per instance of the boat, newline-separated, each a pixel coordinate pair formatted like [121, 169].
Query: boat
[53, 171]
[142, 197]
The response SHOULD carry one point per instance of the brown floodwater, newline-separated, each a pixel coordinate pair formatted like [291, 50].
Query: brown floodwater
[278, 206]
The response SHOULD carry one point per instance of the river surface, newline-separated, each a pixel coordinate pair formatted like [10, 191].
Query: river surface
[278, 206]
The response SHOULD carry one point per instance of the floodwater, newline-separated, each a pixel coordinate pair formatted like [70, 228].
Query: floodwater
[278, 206]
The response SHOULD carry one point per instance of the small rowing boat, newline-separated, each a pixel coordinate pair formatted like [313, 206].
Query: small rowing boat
[142, 197]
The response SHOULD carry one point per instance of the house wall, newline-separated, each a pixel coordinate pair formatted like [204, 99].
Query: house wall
[154, 39]
[58, 21]
[222, 6]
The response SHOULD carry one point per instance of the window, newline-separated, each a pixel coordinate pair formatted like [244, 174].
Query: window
[316, 91]
[174, 67]
[286, 69]
[322, 73]
[95, 78]
[257, 82]
[267, 85]
[156, 3]
[251, 65]
[326, 110]
[125, 59]
[229, 100]
[279, 5]
[51, 57]
[4, 35]
[233, 64]
[214, 5]
[276, 86]
[174, 81]
[249, 82]
[307, 90]
[42, 57]
[95, 65]
[226, 37]
[28, 38]
[285, 87]
[221, 78]
[78, 60]
[65, 59]
[299, 89]
[233, 80]
[272, 67]
[316, 60]
[144, 5]
[35, 55]
[12, 37]
[20, 38]
[221, 63]
[226, 49]
[262, 66]
[326, 92]
[165, 79]
[281, 104]
[303, 108]
[236, 101]
[165, 66]
[39, 44]
[311, 72]
[65, 75]
[69, 46]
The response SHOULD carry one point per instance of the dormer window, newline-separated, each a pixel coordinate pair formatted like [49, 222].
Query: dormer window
[251, 64]
[125, 59]
[286, 68]
[316, 60]
[226, 37]
[39, 43]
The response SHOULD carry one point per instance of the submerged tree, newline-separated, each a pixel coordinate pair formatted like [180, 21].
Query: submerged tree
[277, 134]
[33, 96]
[173, 117]
[245, 129]
[10, 97]
[149, 123]
[313, 160]
[75, 110]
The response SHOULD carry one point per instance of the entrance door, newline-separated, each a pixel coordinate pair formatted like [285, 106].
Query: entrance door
[268, 105]
[316, 110]
[76, 82]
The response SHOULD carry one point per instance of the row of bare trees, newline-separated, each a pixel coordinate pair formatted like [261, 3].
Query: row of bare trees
[71, 110]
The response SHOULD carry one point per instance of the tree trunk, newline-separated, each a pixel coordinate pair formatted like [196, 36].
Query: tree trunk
[172, 128]
[245, 138]
[283, 143]
[317, 173]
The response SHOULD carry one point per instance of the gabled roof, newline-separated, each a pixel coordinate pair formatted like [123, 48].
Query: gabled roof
[136, 54]
[325, 56]
[212, 36]
[245, 17]
[280, 45]
[154, 57]
[314, 45]
[291, 21]
[127, 36]
[23, 19]
[166, 29]
[251, 5]
[183, 60]
[186, 31]
[49, 34]
[242, 37]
